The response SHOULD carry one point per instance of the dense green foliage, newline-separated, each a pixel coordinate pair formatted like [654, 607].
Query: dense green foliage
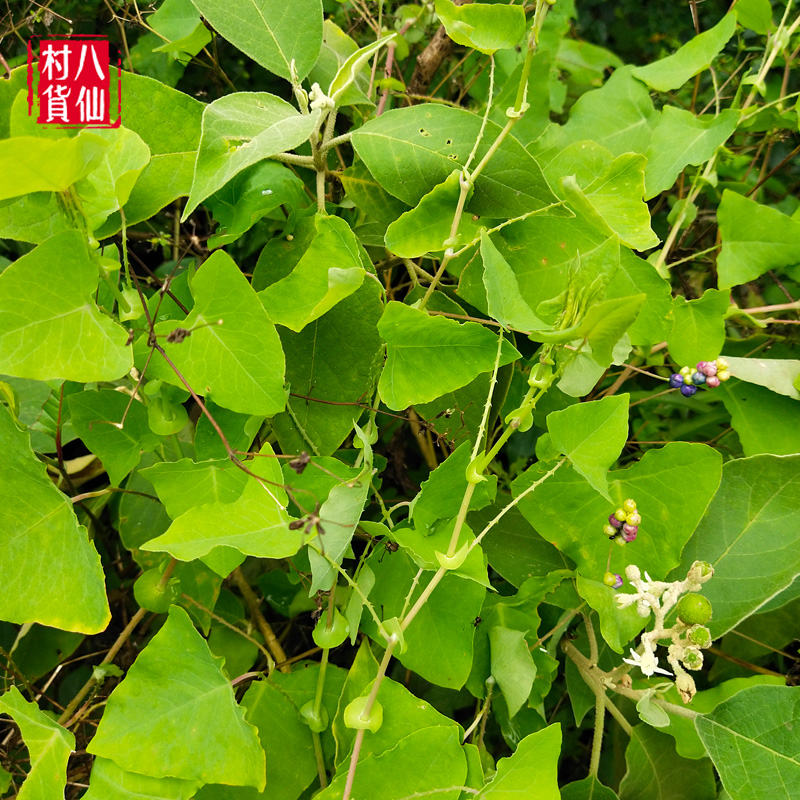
[397, 386]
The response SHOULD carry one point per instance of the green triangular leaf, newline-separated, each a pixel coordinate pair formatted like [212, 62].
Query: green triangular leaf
[50, 326]
[430, 356]
[255, 524]
[239, 363]
[592, 436]
[49, 746]
[39, 530]
[329, 270]
[174, 703]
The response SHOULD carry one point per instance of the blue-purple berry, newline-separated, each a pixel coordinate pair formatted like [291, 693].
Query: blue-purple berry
[698, 378]
[675, 380]
[688, 391]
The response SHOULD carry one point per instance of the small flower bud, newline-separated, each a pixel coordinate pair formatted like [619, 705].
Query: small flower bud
[699, 635]
[700, 572]
[685, 685]
[692, 658]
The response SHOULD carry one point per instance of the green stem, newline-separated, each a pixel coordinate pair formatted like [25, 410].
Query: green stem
[599, 725]
[376, 685]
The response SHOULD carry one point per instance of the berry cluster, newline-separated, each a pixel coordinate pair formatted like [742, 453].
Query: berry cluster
[708, 373]
[622, 527]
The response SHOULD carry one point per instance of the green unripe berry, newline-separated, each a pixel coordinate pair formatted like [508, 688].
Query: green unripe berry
[609, 530]
[150, 595]
[629, 505]
[700, 636]
[620, 541]
[694, 609]
[634, 519]
[621, 514]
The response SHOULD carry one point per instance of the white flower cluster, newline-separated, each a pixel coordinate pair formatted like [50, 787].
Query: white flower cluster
[658, 598]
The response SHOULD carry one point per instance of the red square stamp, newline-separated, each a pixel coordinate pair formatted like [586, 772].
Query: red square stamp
[74, 79]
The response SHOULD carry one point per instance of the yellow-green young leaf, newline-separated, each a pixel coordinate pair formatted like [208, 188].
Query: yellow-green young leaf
[614, 203]
[329, 270]
[482, 26]
[50, 327]
[411, 150]
[256, 523]
[110, 782]
[755, 239]
[534, 763]
[30, 164]
[233, 354]
[239, 130]
[348, 72]
[592, 436]
[672, 72]
[657, 772]
[174, 703]
[263, 30]
[49, 746]
[750, 536]
[430, 356]
[756, 727]
[426, 228]
[337, 47]
[108, 186]
[504, 300]
[681, 138]
[698, 327]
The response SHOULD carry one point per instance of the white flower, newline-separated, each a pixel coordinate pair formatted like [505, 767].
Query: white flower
[648, 663]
